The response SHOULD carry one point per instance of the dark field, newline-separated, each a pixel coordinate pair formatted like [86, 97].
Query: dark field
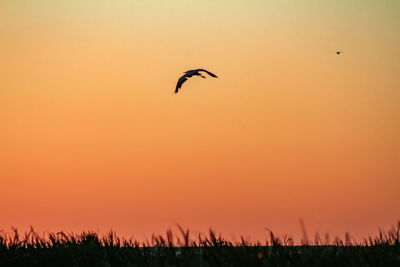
[90, 249]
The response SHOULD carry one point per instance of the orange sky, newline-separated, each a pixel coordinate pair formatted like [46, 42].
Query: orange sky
[92, 136]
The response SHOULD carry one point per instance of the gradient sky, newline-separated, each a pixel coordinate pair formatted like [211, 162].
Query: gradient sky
[93, 138]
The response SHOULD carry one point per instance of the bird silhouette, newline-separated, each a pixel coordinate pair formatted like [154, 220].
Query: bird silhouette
[339, 52]
[191, 73]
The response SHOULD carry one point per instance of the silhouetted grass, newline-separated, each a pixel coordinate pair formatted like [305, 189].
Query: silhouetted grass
[90, 249]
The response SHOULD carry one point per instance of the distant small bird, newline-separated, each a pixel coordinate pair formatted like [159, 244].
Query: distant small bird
[339, 52]
[191, 73]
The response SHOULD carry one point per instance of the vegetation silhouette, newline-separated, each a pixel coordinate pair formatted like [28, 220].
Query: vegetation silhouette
[91, 249]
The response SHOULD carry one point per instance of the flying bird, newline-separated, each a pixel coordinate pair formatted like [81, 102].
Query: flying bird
[339, 52]
[191, 73]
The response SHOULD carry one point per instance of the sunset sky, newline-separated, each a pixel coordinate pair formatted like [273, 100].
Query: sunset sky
[92, 136]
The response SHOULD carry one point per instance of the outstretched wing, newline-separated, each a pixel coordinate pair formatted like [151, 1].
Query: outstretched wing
[209, 73]
[180, 82]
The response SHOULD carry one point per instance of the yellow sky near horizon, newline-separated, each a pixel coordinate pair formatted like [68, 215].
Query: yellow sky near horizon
[92, 136]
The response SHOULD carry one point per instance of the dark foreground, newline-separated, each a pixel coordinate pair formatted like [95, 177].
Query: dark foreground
[88, 249]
